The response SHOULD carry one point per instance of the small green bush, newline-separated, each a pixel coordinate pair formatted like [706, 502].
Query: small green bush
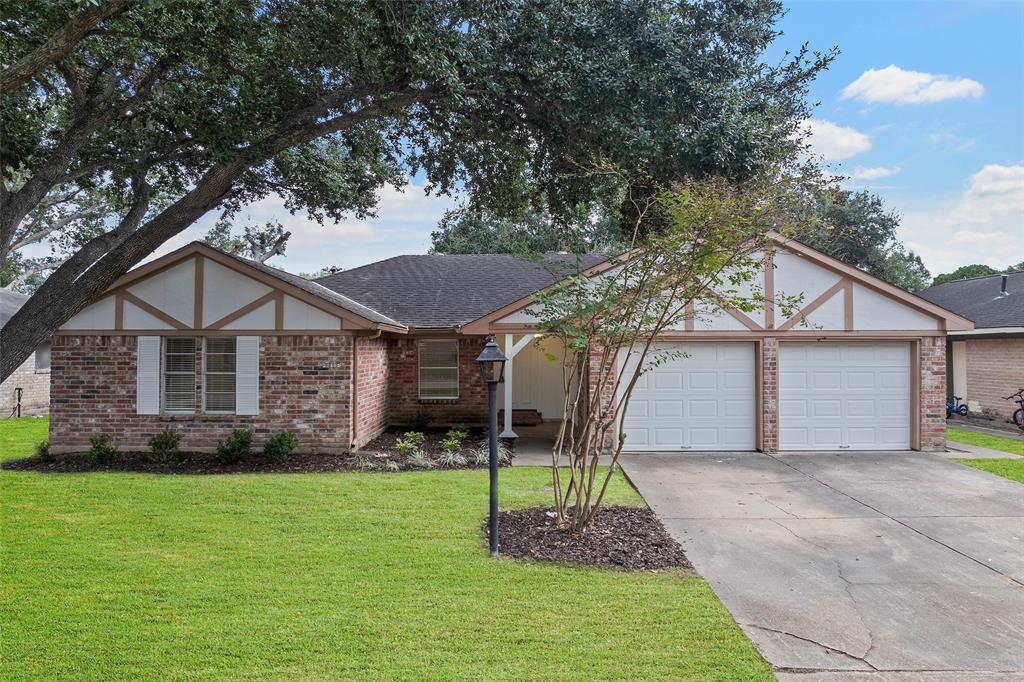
[451, 459]
[101, 448]
[163, 447]
[453, 440]
[235, 447]
[280, 446]
[43, 450]
[420, 460]
[392, 465]
[409, 442]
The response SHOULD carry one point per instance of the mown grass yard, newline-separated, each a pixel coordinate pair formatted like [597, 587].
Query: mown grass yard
[323, 576]
[1012, 469]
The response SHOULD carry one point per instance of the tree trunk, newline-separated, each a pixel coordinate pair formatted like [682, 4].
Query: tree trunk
[87, 274]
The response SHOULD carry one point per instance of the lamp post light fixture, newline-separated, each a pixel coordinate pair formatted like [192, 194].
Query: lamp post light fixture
[492, 370]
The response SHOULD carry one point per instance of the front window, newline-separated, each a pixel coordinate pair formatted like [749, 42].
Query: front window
[219, 375]
[179, 374]
[439, 370]
[43, 357]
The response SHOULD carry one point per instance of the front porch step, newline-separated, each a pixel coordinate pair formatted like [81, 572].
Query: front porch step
[522, 417]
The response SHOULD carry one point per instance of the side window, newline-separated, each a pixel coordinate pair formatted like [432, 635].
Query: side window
[43, 357]
[219, 377]
[439, 370]
[179, 374]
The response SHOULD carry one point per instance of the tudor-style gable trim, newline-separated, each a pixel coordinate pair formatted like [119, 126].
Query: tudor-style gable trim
[281, 292]
[848, 275]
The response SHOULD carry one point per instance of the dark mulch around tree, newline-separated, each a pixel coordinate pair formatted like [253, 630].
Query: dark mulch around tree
[621, 537]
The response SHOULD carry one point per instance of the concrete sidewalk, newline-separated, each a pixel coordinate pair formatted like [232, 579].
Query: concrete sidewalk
[854, 566]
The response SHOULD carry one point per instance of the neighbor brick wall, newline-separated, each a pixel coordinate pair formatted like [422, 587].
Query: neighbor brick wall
[35, 385]
[403, 387]
[770, 394]
[372, 376]
[305, 388]
[933, 393]
[995, 369]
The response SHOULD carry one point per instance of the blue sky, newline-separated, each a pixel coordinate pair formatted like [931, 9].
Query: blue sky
[924, 105]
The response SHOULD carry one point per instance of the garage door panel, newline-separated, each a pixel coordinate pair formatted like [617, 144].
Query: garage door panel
[699, 397]
[852, 395]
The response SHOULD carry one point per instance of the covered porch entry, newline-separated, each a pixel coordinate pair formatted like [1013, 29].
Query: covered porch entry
[532, 396]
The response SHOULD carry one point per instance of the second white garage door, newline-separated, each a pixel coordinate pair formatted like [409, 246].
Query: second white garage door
[844, 396]
[703, 401]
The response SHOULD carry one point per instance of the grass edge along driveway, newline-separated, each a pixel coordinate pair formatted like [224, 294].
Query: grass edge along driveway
[1012, 469]
[314, 576]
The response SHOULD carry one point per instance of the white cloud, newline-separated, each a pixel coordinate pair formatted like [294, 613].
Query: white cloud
[874, 173]
[984, 225]
[834, 142]
[899, 86]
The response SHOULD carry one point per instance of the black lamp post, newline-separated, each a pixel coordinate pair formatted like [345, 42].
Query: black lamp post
[492, 370]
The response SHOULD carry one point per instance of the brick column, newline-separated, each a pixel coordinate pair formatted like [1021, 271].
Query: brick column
[769, 394]
[932, 402]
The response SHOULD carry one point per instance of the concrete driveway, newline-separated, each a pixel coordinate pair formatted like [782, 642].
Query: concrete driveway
[854, 566]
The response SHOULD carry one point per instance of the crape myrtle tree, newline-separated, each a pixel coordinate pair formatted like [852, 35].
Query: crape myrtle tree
[214, 105]
[705, 255]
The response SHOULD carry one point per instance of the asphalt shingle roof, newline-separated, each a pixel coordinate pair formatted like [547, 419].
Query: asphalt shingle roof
[438, 291]
[979, 300]
[10, 303]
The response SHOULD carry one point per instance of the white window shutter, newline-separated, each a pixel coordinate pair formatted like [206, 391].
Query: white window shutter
[247, 375]
[147, 376]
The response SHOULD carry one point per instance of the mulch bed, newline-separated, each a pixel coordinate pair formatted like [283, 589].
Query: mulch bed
[622, 537]
[379, 455]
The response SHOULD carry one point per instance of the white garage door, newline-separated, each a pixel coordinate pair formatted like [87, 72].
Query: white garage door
[839, 396]
[703, 400]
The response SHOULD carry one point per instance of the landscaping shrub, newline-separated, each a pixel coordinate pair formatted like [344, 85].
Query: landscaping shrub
[235, 447]
[451, 458]
[392, 465]
[163, 447]
[101, 448]
[279, 446]
[453, 440]
[43, 450]
[409, 442]
[420, 460]
[362, 463]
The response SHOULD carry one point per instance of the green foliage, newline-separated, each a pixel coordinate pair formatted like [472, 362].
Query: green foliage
[451, 459]
[966, 272]
[856, 228]
[163, 447]
[452, 442]
[257, 242]
[419, 460]
[236, 447]
[280, 446]
[42, 450]
[102, 449]
[409, 442]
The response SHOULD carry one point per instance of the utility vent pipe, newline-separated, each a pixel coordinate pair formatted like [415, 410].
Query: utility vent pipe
[1002, 287]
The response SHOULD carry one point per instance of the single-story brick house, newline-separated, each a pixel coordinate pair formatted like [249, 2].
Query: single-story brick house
[206, 342]
[27, 390]
[986, 363]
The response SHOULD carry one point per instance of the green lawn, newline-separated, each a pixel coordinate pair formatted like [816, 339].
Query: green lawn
[340, 576]
[1011, 445]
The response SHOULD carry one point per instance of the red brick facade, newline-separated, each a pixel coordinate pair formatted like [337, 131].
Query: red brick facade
[372, 377]
[932, 405]
[995, 369]
[305, 388]
[404, 403]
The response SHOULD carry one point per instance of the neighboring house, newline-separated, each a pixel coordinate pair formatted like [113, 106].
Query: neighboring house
[985, 364]
[205, 343]
[29, 386]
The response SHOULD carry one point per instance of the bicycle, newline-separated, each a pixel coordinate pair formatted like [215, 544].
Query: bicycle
[1018, 415]
[954, 406]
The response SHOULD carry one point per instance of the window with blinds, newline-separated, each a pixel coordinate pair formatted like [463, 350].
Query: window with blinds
[179, 394]
[439, 370]
[219, 374]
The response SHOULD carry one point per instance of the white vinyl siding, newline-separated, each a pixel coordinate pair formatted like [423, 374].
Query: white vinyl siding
[147, 376]
[219, 375]
[247, 375]
[439, 370]
[179, 374]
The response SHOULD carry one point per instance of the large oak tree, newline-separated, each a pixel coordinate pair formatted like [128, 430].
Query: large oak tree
[172, 109]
